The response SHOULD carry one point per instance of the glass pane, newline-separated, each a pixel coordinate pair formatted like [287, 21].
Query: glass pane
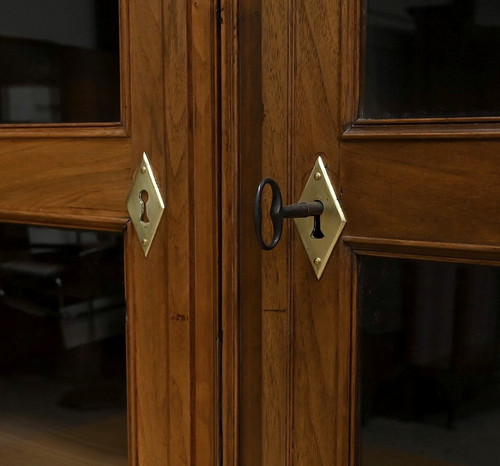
[62, 347]
[59, 61]
[429, 363]
[432, 58]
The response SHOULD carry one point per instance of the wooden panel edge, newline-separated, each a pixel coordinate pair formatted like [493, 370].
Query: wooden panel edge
[125, 72]
[177, 160]
[347, 355]
[351, 308]
[84, 221]
[64, 130]
[204, 192]
[229, 63]
[350, 50]
[421, 249]
[147, 280]
[131, 351]
[404, 130]
[428, 121]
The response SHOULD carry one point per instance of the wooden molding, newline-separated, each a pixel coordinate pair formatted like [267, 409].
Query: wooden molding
[86, 221]
[63, 130]
[88, 130]
[421, 129]
[350, 58]
[125, 72]
[427, 250]
[229, 93]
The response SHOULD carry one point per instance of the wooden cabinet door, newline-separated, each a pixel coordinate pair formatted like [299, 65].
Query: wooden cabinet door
[78, 175]
[418, 183]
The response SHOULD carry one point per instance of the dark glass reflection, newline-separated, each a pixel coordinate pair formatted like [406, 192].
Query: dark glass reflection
[429, 366]
[62, 347]
[431, 58]
[59, 61]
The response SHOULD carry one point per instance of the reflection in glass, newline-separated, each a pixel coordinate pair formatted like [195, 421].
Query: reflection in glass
[62, 347]
[59, 61]
[431, 58]
[429, 364]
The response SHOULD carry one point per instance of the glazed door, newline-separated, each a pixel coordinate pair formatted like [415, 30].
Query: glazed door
[85, 90]
[389, 358]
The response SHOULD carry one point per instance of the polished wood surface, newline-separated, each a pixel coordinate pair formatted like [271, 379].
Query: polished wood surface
[453, 128]
[288, 109]
[79, 176]
[420, 189]
[180, 390]
[229, 235]
[443, 191]
[176, 346]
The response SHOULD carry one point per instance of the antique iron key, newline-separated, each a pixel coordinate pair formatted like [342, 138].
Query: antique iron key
[278, 212]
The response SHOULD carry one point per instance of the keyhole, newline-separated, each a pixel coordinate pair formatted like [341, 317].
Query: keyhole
[143, 197]
[317, 233]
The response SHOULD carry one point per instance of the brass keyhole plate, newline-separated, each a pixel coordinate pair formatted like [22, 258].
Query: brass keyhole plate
[144, 181]
[319, 188]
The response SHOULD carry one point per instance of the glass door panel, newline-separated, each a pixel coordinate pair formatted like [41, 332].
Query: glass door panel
[62, 347]
[431, 58]
[59, 61]
[429, 363]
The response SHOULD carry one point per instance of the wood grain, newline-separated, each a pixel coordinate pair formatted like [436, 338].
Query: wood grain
[316, 129]
[145, 278]
[283, 345]
[299, 112]
[63, 130]
[230, 234]
[205, 224]
[39, 177]
[440, 191]
[175, 347]
[250, 415]
[411, 129]
[276, 265]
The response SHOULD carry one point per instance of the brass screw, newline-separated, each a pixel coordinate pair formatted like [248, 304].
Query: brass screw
[144, 241]
[317, 176]
[317, 261]
[143, 170]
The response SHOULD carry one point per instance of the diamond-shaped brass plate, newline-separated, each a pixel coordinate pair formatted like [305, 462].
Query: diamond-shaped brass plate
[145, 209]
[331, 221]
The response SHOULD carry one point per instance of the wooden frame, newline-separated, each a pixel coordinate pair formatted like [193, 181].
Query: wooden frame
[320, 46]
[352, 39]
[78, 176]
[480, 250]
[91, 130]
[357, 247]
[241, 154]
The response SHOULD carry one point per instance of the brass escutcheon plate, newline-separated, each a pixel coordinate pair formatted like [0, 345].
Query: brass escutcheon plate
[145, 204]
[331, 221]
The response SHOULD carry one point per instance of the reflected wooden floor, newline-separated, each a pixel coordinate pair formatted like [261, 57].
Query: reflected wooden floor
[378, 456]
[27, 444]
[36, 430]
